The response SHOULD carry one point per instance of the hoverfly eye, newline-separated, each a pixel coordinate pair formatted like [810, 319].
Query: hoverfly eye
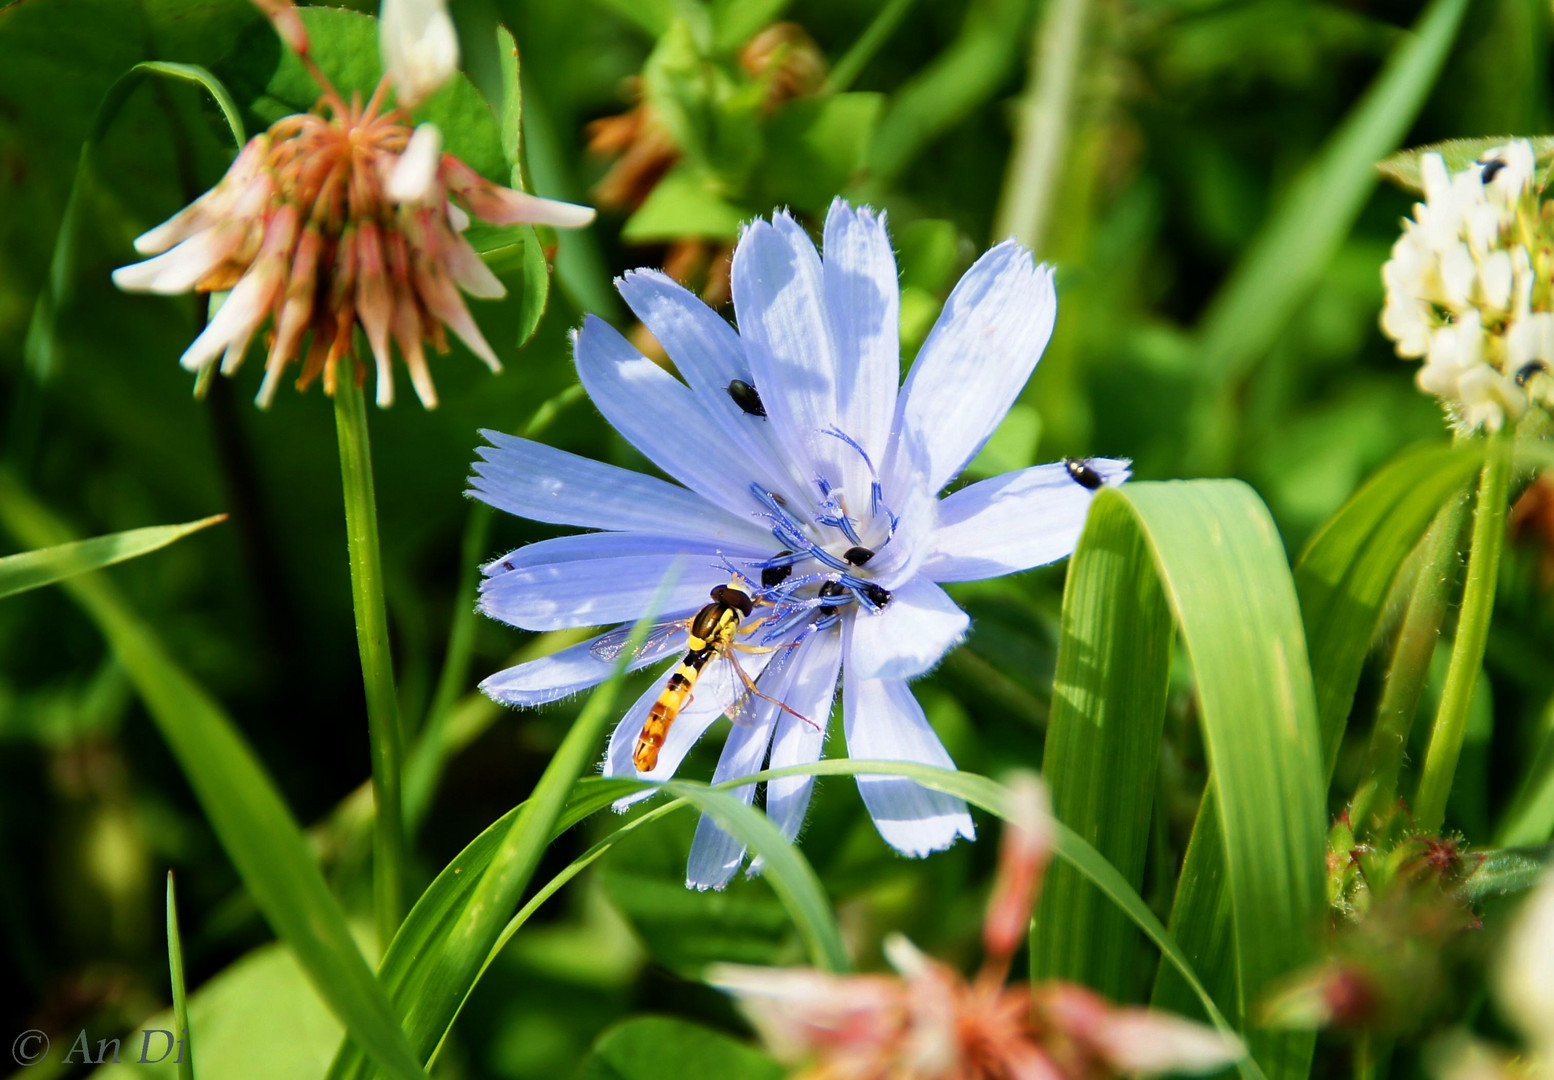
[1528, 370]
[1491, 170]
[1082, 473]
[745, 396]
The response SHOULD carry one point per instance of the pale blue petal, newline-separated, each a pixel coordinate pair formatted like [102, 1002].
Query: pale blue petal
[863, 300]
[779, 301]
[1013, 522]
[542, 483]
[803, 679]
[919, 625]
[661, 417]
[716, 690]
[883, 721]
[599, 578]
[976, 360]
[715, 853]
[798, 742]
[709, 355]
[567, 672]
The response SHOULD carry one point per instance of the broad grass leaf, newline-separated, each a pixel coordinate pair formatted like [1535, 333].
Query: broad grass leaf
[1223, 573]
[664, 1048]
[240, 800]
[1102, 749]
[45, 566]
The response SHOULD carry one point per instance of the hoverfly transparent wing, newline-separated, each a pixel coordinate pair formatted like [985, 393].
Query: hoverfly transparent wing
[745, 707]
[611, 645]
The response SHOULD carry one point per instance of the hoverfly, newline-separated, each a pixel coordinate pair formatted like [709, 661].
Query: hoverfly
[711, 635]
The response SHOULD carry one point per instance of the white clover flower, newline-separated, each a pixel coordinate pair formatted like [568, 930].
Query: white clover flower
[805, 471]
[419, 45]
[1464, 291]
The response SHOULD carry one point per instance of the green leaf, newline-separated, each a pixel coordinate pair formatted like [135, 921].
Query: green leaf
[33, 569]
[244, 807]
[663, 1048]
[1405, 168]
[815, 147]
[1222, 571]
[683, 205]
[185, 1059]
[1297, 242]
[42, 346]
[1506, 871]
[1348, 567]
[259, 1018]
[1102, 750]
[269, 82]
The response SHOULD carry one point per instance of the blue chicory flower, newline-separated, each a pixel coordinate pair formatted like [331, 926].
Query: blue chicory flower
[816, 477]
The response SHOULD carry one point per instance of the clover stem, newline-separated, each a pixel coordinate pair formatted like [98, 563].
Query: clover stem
[1467, 653]
[1410, 664]
[372, 640]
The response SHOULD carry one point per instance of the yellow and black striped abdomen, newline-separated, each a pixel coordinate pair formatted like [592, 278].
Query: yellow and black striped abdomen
[674, 697]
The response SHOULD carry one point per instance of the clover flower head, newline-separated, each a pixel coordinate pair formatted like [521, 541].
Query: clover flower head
[1468, 288]
[807, 472]
[929, 1022]
[333, 219]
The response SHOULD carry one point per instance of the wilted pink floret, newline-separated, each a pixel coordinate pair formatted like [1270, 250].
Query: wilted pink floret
[931, 1023]
[333, 219]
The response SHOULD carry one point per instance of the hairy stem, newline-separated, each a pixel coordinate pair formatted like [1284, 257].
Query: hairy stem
[361, 527]
[1467, 653]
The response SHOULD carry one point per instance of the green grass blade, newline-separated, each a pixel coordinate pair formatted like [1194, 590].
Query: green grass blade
[1348, 567]
[1287, 257]
[1224, 575]
[786, 870]
[1103, 739]
[45, 566]
[185, 1061]
[409, 970]
[243, 806]
[429, 976]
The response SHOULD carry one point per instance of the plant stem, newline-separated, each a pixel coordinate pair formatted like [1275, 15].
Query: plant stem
[1041, 141]
[852, 63]
[1467, 653]
[1405, 679]
[361, 527]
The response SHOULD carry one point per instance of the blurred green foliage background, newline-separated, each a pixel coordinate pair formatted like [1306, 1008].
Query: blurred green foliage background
[1192, 123]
